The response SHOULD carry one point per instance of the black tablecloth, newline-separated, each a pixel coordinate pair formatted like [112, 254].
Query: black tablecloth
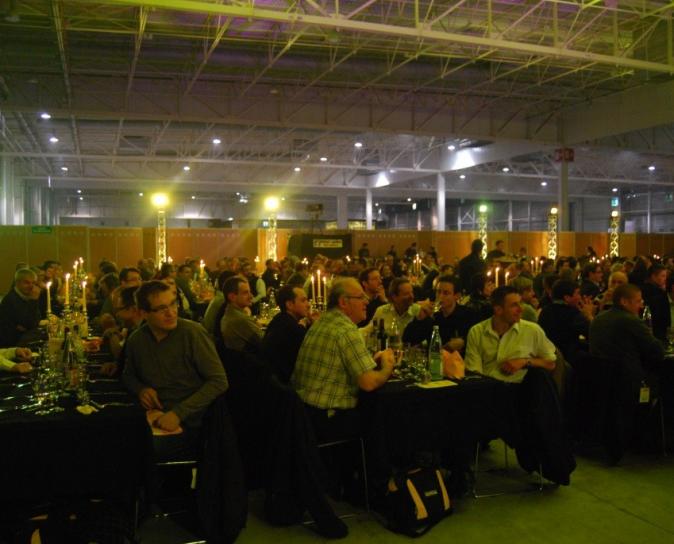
[68, 454]
[401, 419]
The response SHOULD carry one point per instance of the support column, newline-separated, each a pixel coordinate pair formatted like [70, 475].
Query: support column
[649, 204]
[342, 212]
[510, 215]
[458, 219]
[368, 208]
[10, 211]
[563, 196]
[441, 202]
[529, 215]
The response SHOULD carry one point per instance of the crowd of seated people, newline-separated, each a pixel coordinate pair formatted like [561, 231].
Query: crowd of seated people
[556, 312]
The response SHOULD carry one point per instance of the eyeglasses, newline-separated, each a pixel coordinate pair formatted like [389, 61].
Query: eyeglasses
[163, 309]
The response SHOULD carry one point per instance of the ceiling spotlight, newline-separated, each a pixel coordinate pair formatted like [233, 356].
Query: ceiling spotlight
[505, 169]
[79, 191]
[64, 168]
[324, 159]
[451, 147]
[81, 198]
[414, 205]
[216, 141]
[230, 219]
[651, 168]
[44, 115]
[544, 183]
[186, 168]
[358, 145]
[140, 194]
[53, 139]
[379, 210]
[297, 169]
[615, 189]
[409, 199]
[237, 194]
[194, 197]
[376, 203]
[462, 176]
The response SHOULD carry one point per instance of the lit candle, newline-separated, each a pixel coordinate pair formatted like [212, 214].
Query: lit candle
[533, 269]
[169, 260]
[313, 289]
[67, 289]
[489, 273]
[84, 296]
[48, 297]
[498, 269]
[75, 268]
[507, 274]
[325, 289]
[318, 280]
[202, 264]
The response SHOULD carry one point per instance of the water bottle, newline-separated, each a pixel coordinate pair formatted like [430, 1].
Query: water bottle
[373, 338]
[435, 354]
[381, 336]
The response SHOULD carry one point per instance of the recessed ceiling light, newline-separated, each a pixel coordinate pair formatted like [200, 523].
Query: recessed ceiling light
[237, 194]
[297, 169]
[505, 169]
[217, 141]
[379, 210]
[194, 197]
[544, 183]
[64, 168]
[358, 145]
[615, 189]
[230, 219]
[462, 176]
[186, 168]
[140, 194]
[81, 198]
[451, 147]
[409, 199]
[651, 168]
[53, 139]
[414, 205]
[79, 191]
[324, 159]
[44, 115]
[376, 203]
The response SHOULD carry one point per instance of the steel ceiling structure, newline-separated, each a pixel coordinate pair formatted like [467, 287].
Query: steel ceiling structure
[138, 89]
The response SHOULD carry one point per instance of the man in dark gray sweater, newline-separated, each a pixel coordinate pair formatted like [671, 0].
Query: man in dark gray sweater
[171, 363]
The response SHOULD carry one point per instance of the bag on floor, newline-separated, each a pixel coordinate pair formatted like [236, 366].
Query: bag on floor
[416, 500]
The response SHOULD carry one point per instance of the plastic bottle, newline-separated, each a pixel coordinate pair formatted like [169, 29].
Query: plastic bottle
[435, 355]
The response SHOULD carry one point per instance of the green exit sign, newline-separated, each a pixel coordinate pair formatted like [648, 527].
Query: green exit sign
[41, 229]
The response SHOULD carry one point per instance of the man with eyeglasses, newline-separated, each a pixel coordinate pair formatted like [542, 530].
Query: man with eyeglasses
[172, 366]
[334, 364]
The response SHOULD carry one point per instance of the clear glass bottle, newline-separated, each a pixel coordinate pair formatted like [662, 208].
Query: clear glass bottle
[647, 316]
[435, 354]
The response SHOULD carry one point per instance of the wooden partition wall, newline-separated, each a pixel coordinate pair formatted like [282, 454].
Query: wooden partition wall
[124, 245]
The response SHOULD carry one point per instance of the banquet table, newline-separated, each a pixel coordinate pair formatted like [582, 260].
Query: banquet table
[402, 418]
[67, 454]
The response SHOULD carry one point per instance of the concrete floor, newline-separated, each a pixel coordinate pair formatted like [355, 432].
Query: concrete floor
[632, 503]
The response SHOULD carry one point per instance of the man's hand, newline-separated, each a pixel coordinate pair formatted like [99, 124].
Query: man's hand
[511, 366]
[588, 309]
[149, 399]
[23, 354]
[109, 369]
[381, 294]
[425, 309]
[386, 359]
[22, 368]
[167, 422]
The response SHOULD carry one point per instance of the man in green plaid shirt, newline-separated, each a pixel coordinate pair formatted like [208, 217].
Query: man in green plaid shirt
[333, 363]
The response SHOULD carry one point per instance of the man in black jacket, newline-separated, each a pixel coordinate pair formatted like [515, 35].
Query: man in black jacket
[471, 264]
[19, 309]
[286, 331]
[654, 292]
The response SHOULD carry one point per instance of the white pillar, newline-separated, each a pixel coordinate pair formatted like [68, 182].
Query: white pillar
[342, 212]
[368, 208]
[563, 196]
[510, 215]
[649, 205]
[11, 206]
[441, 202]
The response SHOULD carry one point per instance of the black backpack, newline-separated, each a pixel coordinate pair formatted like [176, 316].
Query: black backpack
[416, 500]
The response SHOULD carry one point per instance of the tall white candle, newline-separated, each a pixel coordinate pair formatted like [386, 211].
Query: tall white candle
[84, 296]
[313, 289]
[498, 269]
[48, 297]
[325, 289]
[67, 289]
[318, 280]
